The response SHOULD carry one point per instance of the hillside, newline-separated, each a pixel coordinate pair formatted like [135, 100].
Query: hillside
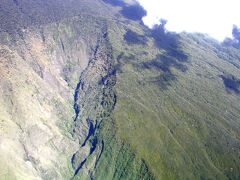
[87, 91]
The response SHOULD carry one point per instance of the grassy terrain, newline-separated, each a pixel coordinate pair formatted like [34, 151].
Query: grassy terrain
[178, 115]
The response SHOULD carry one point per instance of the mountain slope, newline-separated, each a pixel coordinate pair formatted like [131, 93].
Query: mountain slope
[88, 92]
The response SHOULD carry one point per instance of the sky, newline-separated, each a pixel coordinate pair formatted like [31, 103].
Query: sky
[213, 17]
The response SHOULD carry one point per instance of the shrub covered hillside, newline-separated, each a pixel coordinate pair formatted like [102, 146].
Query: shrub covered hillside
[88, 92]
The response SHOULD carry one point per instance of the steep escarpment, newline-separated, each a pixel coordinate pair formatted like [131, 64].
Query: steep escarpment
[94, 100]
[40, 67]
[34, 120]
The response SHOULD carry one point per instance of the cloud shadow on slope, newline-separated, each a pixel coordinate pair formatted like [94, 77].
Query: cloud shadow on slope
[134, 12]
[130, 11]
[173, 57]
[132, 37]
[231, 83]
[115, 2]
[164, 63]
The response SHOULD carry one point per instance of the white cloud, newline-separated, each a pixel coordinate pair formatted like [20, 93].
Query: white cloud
[214, 17]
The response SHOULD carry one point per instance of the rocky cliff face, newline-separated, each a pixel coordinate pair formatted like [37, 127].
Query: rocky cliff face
[88, 92]
[40, 67]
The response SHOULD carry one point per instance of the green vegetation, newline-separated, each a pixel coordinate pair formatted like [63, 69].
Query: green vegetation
[183, 122]
[148, 103]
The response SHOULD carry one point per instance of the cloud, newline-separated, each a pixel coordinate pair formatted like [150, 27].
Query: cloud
[212, 17]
